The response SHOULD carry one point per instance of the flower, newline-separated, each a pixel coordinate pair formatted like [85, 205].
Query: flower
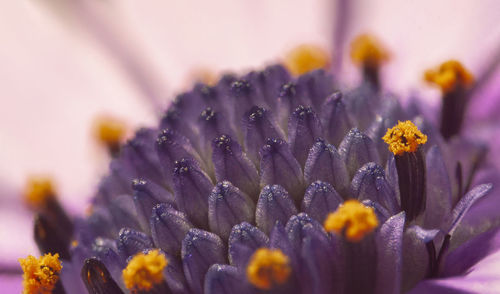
[234, 186]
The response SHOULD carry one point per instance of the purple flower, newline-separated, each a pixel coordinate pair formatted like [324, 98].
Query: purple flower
[285, 184]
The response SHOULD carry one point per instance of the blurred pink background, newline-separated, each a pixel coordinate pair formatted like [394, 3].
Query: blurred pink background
[63, 63]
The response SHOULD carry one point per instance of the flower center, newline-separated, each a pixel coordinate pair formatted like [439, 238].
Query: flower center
[268, 267]
[40, 275]
[144, 271]
[353, 220]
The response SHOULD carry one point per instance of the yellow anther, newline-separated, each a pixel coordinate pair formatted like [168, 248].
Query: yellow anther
[268, 267]
[367, 51]
[109, 131]
[404, 137]
[74, 243]
[449, 75]
[305, 58]
[40, 275]
[353, 220]
[38, 190]
[144, 271]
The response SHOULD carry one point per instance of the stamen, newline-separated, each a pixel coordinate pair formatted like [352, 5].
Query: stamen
[404, 140]
[404, 137]
[353, 220]
[454, 81]
[267, 268]
[144, 271]
[367, 51]
[369, 54]
[450, 75]
[110, 132]
[39, 189]
[40, 275]
[305, 58]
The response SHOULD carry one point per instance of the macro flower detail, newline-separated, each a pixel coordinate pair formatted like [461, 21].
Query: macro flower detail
[41, 275]
[277, 182]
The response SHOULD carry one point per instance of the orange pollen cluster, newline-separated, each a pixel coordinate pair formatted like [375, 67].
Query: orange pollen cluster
[305, 58]
[449, 75]
[404, 137]
[367, 51]
[40, 275]
[268, 267]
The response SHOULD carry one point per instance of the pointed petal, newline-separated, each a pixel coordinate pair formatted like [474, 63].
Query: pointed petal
[415, 257]
[325, 164]
[192, 188]
[460, 260]
[369, 183]
[357, 149]
[390, 255]
[304, 128]
[228, 206]
[243, 241]
[225, 279]
[319, 200]
[279, 166]
[213, 124]
[233, 165]
[295, 229]
[170, 147]
[146, 196]
[274, 205]
[168, 228]
[463, 206]
[200, 249]
[131, 242]
[335, 119]
[438, 204]
[317, 85]
[258, 125]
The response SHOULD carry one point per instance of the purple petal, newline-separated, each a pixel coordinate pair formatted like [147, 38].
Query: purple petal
[168, 228]
[390, 258]
[369, 183]
[279, 166]
[225, 279]
[295, 229]
[146, 196]
[192, 187]
[131, 242]
[213, 124]
[325, 164]
[461, 260]
[274, 205]
[174, 275]
[233, 165]
[356, 149]
[438, 204]
[258, 125]
[319, 200]
[317, 84]
[228, 206]
[304, 128]
[464, 204]
[170, 147]
[200, 249]
[290, 97]
[362, 103]
[335, 119]
[243, 241]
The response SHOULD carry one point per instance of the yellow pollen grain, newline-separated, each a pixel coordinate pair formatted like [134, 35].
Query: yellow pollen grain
[367, 51]
[144, 271]
[109, 131]
[305, 58]
[38, 190]
[40, 275]
[268, 267]
[404, 137]
[353, 220]
[449, 75]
